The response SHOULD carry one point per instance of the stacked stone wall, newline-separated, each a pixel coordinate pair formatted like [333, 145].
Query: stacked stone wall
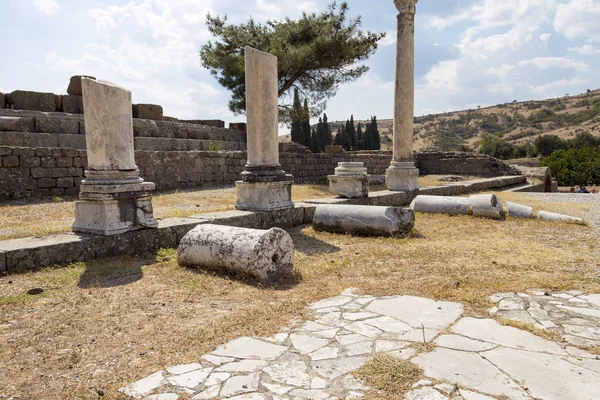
[460, 163]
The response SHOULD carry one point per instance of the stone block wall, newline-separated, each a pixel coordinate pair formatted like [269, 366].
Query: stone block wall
[459, 163]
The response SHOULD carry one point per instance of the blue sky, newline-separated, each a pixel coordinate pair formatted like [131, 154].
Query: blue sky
[468, 52]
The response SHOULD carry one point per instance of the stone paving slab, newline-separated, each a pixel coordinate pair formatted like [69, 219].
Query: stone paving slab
[574, 315]
[473, 359]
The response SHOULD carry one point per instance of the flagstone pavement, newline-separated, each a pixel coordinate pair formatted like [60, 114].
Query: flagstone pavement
[473, 358]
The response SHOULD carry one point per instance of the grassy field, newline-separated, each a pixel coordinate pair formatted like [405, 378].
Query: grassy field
[100, 325]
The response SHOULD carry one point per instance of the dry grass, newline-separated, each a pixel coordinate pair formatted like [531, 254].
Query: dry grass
[104, 324]
[51, 216]
[389, 377]
[439, 180]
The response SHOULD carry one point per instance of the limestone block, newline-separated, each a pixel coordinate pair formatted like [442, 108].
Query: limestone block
[74, 88]
[57, 125]
[349, 186]
[17, 124]
[72, 104]
[264, 196]
[145, 128]
[240, 126]
[549, 216]
[518, 211]
[441, 205]
[108, 126]
[486, 205]
[364, 220]
[402, 176]
[216, 123]
[26, 100]
[263, 254]
[148, 111]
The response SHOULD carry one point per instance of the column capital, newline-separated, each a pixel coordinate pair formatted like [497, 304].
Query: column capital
[406, 6]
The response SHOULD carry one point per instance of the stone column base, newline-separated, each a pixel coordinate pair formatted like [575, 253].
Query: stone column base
[111, 209]
[349, 186]
[402, 177]
[264, 196]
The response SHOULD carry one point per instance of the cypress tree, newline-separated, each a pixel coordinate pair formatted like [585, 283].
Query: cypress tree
[352, 134]
[306, 132]
[338, 138]
[313, 141]
[360, 138]
[328, 136]
[376, 137]
[296, 115]
[320, 136]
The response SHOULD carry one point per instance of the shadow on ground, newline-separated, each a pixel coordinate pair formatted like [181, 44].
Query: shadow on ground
[107, 273]
[310, 245]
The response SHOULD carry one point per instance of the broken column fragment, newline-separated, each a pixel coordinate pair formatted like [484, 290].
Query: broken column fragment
[486, 205]
[441, 205]
[550, 216]
[264, 254]
[518, 210]
[364, 220]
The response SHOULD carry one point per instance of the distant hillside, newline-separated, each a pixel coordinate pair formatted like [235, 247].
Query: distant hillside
[516, 122]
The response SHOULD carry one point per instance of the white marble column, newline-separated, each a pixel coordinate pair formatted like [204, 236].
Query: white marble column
[113, 196]
[402, 174]
[264, 185]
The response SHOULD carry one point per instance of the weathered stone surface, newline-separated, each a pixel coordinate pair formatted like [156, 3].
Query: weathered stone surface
[350, 180]
[468, 370]
[74, 87]
[26, 100]
[540, 371]
[145, 128]
[240, 384]
[263, 254]
[144, 386]
[418, 311]
[441, 205]
[264, 196]
[554, 217]
[190, 379]
[402, 176]
[425, 393]
[148, 111]
[292, 373]
[246, 347]
[364, 220]
[456, 342]
[486, 205]
[518, 210]
[17, 124]
[183, 368]
[72, 104]
[57, 125]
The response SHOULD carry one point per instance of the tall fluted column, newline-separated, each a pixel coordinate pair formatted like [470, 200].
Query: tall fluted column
[402, 174]
[264, 185]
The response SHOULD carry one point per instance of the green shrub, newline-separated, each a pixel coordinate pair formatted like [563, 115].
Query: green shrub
[575, 166]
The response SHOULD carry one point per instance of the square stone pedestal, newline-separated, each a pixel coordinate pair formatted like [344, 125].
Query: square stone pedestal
[402, 177]
[349, 186]
[264, 196]
[114, 209]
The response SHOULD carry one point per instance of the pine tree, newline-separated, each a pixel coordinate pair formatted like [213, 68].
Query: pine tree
[296, 116]
[306, 131]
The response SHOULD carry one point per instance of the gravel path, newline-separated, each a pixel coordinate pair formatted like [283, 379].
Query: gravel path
[592, 200]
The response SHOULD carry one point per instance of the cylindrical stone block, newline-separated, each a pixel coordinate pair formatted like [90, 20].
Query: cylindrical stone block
[549, 216]
[108, 126]
[486, 205]
[441, 205]
[364, 220]
[264, 254]
[518, 210]
[262, 108]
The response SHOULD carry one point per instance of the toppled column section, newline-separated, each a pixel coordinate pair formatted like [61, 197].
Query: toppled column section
[364, 220]
[113, 197]
[402, 174]
[264, 254]
[486, 205]
[518, 210]
[550, 216]
[350, 180]
[264, 185]
[441, 205]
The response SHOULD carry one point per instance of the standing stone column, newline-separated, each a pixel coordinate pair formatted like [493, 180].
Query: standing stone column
[113, 196]
[264, 185]
[402, 174]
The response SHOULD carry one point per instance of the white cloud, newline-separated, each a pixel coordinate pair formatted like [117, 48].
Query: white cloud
[545, 37]
[545, 63]
[49, 7]
[586, 50]
[557, 88]
[578, 19]
[500, 71]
